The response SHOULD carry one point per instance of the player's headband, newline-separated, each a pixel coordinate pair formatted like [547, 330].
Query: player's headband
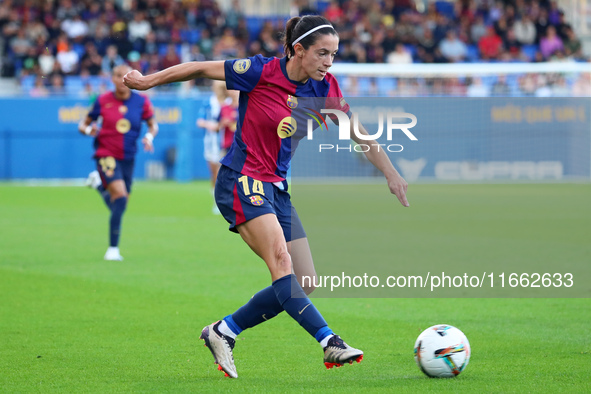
[309, 32]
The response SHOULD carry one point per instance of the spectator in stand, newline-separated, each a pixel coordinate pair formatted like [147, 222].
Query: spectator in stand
[57, 85]
[269, 45]
[542, 25]
[206, 44]
[91, 60]
[333, 12]
[477, 89]
[30, 62]
[67, 58]
[512, 46]
[390, 40]
[75, 28]
[39, 90]
[525, 30]
[171, 58]
[138, 29]
[427, 47]
[478, 29]
[20, 44]
[501, 27]
[150, 44]
[562, 27]
[550, 43]
[400, 56]
[554, 13]
[560, 88]
[111, 60]
[452, 49]
[572, 45]
[500, 87]
[36, 30]
[490, 45]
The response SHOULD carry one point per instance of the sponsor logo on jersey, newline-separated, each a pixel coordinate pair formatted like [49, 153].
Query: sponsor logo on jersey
[122, 109]
[287, 127]
[292, 102]
[241, 66]
[256, 200]
[123, 126]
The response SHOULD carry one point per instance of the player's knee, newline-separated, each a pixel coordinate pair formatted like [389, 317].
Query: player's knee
[283, 260]
[118, 194]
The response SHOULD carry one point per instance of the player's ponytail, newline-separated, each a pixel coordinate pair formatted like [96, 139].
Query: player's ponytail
[305, 30]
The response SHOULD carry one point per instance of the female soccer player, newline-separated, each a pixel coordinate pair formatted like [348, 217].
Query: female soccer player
[122, 113]
[251, 190]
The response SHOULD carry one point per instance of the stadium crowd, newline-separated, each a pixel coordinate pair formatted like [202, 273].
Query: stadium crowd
[45, 43]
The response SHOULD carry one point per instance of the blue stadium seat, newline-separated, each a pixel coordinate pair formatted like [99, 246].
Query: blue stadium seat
[412, 49]
[386, 85]
[79, 49]
[473, 54]
[489, 80]
[191, 36]
[321, 6]
[445, 8]
[74, 85]
[530, 51]
[254, 25]
[194, 36]
[27, 82]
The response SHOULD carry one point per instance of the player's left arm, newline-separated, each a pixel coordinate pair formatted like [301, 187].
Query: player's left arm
[87, 126]
[148, 139]
[378, 157]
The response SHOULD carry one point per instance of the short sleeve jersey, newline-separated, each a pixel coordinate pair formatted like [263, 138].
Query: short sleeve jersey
[121, 125]
[262, 148]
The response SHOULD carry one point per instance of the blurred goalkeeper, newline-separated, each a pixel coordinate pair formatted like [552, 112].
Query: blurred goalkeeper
[122, 112]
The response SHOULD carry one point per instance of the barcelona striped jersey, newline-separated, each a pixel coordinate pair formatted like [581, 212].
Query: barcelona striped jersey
[266, 132]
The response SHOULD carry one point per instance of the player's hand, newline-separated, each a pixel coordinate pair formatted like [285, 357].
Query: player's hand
[398, 187]
[94, 130]
[135, 80]
[148, 145]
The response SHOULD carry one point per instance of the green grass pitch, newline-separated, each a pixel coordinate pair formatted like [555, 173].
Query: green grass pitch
[71, 322]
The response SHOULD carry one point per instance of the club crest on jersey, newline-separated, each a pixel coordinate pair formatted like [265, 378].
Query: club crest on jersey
[123, 125]
[256, 200]
[287, 127]
[241, 66]
[122, 109]
[292, 102]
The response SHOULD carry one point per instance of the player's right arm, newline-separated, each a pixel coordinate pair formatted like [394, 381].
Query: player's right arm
[179, 73]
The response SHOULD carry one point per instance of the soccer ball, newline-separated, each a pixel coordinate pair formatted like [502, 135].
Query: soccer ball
[442, 351]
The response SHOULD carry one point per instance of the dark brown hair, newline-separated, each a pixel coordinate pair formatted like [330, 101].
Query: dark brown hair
[299, 25]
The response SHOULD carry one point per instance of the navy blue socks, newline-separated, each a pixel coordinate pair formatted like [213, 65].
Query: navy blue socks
[261, 307]
[294, 301]
[285, 294]
[105, 196]
[117, 210]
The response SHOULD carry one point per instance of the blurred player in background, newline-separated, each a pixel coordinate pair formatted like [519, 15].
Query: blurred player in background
[228, 120]
[251, 190]
[122, 112]
[211, 139]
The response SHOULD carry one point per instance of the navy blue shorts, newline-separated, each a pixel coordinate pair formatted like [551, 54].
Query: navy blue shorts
[241, 198]
[111, 169]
